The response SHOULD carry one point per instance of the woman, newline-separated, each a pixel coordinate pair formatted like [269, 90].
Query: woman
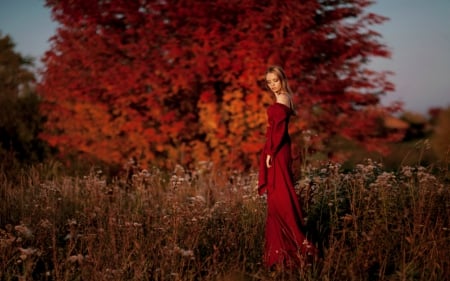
[285, 245]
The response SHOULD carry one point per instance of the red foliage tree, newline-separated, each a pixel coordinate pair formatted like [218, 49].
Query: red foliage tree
[182, 81]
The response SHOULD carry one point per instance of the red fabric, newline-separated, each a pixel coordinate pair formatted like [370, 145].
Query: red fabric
[285, 243]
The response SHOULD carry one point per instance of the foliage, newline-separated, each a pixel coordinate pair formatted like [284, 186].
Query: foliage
[205, 224]
[178, 81]
[20, 120]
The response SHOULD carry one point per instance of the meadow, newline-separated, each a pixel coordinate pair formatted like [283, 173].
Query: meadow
[369, 222]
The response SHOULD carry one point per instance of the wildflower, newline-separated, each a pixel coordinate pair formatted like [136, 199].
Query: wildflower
[76, 259]
[184, 253]
[187, 253]
[347, 218]
[407, 171]
[317, 180]
[424, 176]
[7, 239]
[198, 198]
[45, 223]
[68, 236]
[204, 167]
[385, 179]
[304, 182]
[24, 231]
[132, 224]
[144, 173]
[306, 243]
[25, 253]
[175, 181]
[306, 138]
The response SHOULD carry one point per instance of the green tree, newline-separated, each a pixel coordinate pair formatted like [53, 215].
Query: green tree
[20, 120]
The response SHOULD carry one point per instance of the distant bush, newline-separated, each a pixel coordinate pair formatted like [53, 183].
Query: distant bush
[20, 125]
[419, 126]
[441, 137]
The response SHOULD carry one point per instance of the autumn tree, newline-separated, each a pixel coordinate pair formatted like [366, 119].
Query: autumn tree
[20, 120]
[183, 81]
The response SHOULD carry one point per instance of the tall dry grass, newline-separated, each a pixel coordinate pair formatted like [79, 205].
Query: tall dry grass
[209, 225]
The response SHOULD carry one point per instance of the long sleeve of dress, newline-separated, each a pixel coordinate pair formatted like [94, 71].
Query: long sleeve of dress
[277, 129]
[275, 135]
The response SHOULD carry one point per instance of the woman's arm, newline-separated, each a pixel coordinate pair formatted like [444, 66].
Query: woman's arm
[277, 121]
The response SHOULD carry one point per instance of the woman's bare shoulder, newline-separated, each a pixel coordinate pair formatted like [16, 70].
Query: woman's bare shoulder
[284, 100]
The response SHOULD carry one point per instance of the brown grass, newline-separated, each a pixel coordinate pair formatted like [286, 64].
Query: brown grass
[208, 225]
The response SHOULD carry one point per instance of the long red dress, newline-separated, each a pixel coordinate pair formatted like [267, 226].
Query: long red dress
[285, 244]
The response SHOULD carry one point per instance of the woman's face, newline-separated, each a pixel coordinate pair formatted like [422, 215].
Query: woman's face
[273, 82]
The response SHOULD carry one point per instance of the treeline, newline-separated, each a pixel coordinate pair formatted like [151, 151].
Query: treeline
[20, 119]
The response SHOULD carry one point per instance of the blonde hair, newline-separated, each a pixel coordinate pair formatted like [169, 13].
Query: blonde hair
[279, 72]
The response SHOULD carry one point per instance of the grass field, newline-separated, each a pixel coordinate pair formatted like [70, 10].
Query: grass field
[206, 224]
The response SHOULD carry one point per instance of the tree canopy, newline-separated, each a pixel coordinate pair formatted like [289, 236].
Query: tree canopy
[178, 81]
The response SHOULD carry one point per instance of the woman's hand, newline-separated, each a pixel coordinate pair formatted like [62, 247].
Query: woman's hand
[268, 161]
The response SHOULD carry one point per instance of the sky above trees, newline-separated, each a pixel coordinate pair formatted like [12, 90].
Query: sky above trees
[417, 34]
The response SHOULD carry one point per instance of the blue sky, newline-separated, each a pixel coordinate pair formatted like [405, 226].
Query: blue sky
[418, 34]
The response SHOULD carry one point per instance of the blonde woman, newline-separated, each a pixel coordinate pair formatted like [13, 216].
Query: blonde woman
[285, 243]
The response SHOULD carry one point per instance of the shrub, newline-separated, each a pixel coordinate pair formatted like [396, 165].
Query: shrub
[441, 136]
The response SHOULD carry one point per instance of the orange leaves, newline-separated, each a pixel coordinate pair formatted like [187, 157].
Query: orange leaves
[234, 108]
[180, 82]
[231, 127]
[208, 118]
